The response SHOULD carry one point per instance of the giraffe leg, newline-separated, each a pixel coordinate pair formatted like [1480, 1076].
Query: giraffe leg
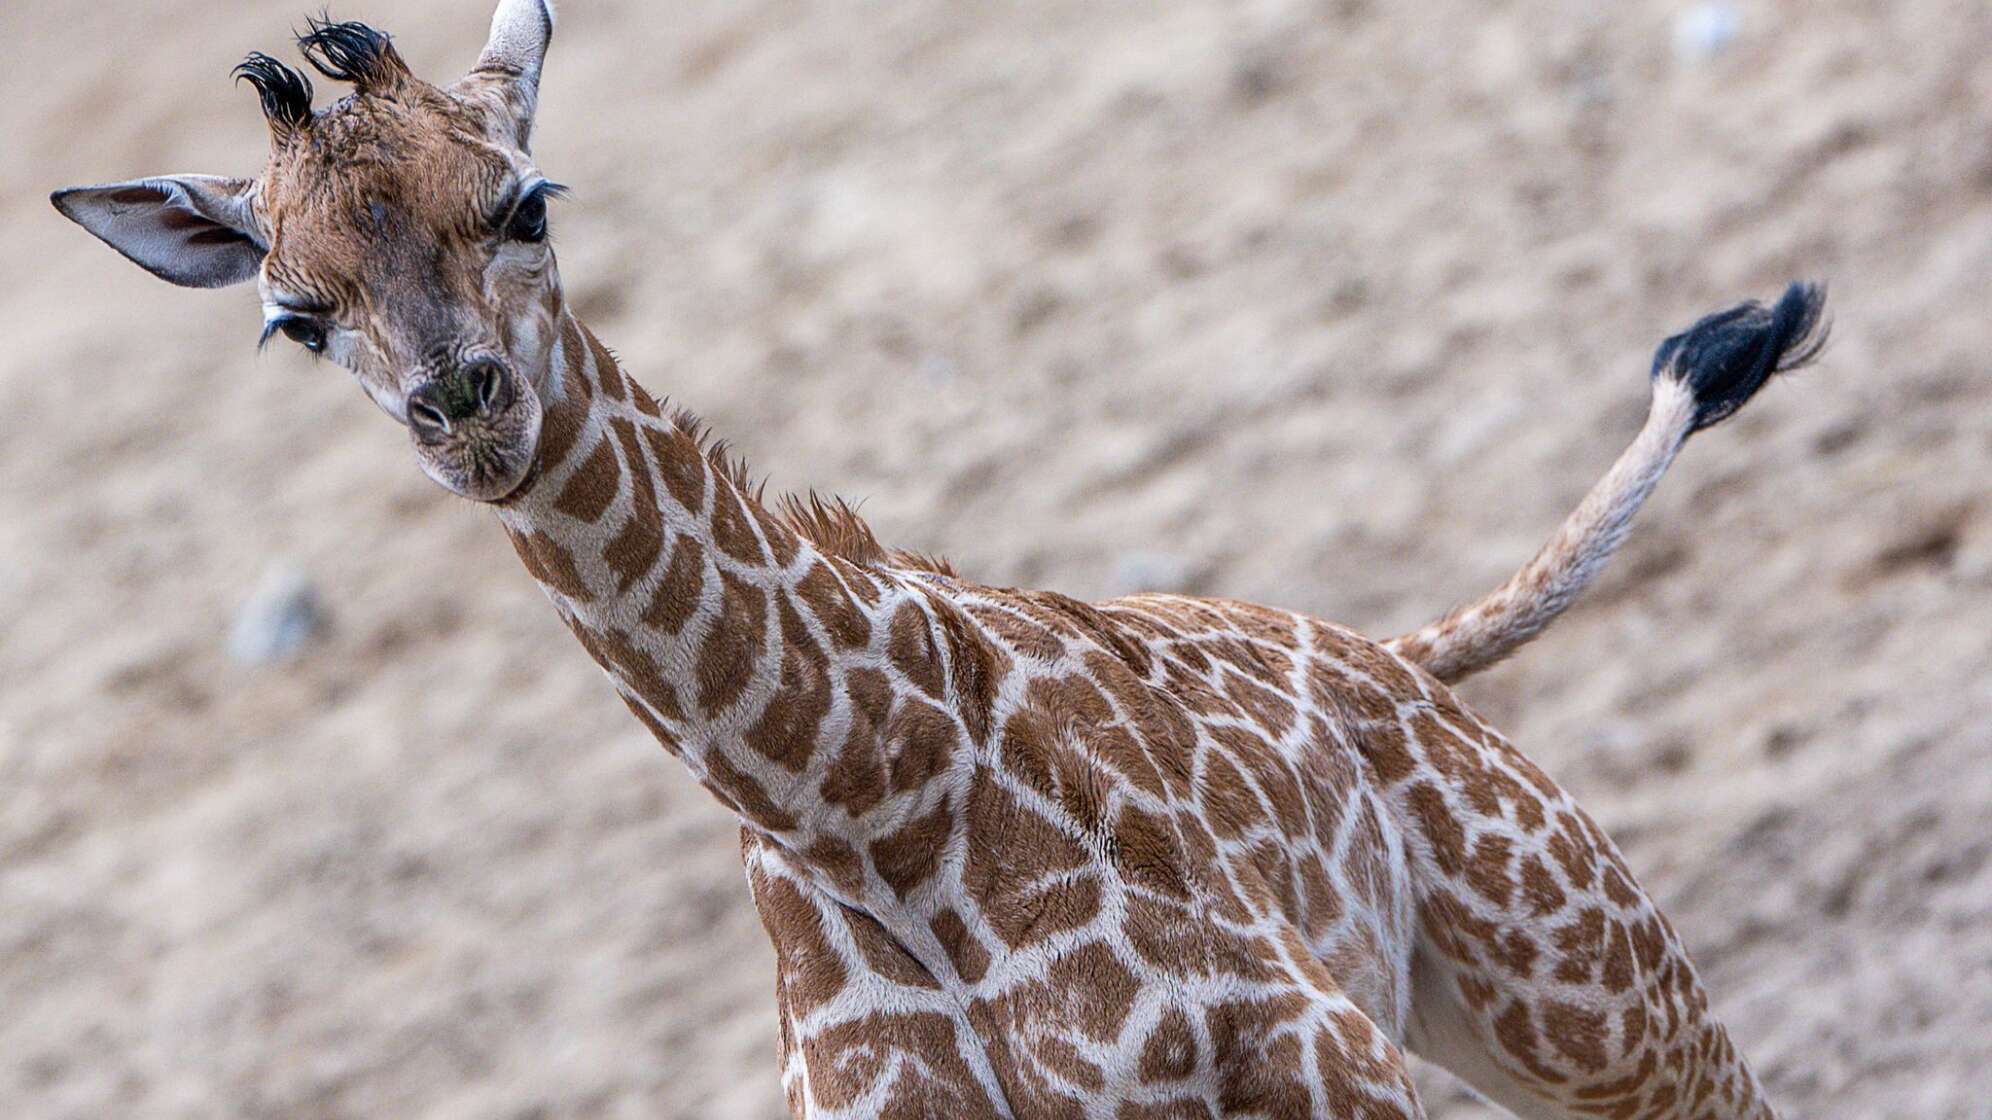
[1359, 1073]
[1543, 975]
[865, 1030]
[1300, 1051]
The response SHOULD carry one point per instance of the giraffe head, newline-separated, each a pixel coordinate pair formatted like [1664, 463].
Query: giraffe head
[400, 232]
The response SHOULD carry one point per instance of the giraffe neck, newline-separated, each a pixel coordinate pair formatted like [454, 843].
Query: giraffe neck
[771, 666]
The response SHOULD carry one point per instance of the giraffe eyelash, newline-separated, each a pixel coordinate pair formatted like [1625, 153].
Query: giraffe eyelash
[543, 191]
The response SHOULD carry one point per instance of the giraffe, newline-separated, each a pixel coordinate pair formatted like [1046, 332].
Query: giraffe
[1018, 855]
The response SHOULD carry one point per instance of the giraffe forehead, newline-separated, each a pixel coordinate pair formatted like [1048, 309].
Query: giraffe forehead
[380, 182]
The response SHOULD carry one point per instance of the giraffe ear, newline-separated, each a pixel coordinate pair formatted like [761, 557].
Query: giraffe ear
[197, 231]
[520, 33]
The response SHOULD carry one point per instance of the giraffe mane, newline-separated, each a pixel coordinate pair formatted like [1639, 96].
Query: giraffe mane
[829, 522]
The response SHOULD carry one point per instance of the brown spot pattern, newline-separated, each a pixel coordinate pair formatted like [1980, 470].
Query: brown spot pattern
[1218, 802]
[593, 485]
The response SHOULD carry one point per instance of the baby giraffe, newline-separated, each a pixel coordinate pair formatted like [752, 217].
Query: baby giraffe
[1159, 857]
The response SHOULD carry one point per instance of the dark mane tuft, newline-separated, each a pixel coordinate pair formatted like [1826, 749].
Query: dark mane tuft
[831, 524]
[284, 92]
[352, 52]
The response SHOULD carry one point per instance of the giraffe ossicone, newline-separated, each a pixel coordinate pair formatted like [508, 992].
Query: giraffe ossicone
[1018, 855]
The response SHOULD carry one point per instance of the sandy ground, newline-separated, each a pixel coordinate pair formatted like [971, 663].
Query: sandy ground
[1334, 305]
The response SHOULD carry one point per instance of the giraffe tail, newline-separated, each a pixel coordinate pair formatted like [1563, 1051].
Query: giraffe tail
[1700, 378]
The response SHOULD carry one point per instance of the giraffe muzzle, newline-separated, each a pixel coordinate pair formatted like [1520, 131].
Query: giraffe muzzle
[475, 427]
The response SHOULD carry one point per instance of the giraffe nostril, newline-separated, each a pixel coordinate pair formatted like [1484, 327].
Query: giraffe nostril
[487, 385]
[426, 413]
[482, 386]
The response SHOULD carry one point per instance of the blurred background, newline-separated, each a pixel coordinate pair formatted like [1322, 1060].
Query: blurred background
[310, 808]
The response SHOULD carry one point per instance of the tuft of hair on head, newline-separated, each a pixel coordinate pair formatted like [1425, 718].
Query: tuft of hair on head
[353, 52]
[1727, 356]
[284, 92]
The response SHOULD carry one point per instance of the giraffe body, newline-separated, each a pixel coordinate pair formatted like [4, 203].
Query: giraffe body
[1160, 856]
[1020, 856]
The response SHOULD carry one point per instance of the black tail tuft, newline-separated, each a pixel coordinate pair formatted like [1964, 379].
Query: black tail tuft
[1726, 357]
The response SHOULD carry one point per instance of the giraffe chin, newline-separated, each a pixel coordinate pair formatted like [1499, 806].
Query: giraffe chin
[486, 460]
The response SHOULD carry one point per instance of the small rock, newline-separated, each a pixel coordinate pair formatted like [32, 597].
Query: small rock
[939, 369]
[1706, 30]
[281, 617]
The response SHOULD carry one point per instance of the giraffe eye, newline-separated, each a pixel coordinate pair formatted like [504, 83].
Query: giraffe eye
[308, 333]
[528, 221]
